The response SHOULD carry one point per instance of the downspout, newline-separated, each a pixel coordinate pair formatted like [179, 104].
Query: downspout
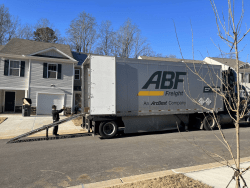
[82, 88]
[72, 98]
[29, 79]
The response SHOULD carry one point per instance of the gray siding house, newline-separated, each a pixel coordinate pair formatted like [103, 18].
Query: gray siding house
[80, 57]
[244, 68]
[44, 72]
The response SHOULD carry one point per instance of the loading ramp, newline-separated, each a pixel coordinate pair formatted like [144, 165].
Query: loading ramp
[45, 127]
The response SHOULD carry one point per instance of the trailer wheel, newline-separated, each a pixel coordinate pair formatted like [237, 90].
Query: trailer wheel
[209, 122]
[108, 129]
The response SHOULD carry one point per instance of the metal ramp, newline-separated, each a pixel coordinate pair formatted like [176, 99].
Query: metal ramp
[45, 127]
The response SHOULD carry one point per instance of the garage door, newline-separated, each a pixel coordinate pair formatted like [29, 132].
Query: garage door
[45, 102]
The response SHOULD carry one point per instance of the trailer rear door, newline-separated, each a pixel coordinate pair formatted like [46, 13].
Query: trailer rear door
[103, 85]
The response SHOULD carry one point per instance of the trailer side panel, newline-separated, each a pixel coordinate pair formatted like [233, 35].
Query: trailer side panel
[164, 88]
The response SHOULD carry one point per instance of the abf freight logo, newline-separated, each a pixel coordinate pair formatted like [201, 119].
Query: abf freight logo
[163, 80]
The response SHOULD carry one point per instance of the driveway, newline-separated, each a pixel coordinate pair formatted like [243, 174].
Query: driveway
[16, 124]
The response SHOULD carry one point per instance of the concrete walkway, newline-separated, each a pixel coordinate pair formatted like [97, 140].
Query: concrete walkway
[213, 174]
[219, 177]
[16, 124]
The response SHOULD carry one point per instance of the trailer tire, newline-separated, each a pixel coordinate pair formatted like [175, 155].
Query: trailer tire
[209, 123]
[108, 129]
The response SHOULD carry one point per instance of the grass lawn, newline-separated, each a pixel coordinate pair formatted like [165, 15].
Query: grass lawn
[171, 181]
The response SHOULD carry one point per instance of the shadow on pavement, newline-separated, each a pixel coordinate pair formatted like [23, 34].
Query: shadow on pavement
[123, 135]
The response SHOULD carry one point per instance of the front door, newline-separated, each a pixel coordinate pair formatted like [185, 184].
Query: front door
[9, 101]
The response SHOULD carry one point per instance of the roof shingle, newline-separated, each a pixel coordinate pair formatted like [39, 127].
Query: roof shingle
[80, 57]
[26, 47]
[228, 62]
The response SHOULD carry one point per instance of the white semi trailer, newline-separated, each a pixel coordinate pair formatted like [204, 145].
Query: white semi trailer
[137, 95]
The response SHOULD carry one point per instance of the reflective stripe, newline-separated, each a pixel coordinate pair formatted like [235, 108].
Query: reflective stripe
[151, 93]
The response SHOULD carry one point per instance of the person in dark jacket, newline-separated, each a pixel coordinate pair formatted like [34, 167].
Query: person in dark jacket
[55, 115]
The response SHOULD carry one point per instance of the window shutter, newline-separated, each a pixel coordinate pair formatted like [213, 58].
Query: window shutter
[22, 68]
[6, 67]
[45, 69]
[59, 71]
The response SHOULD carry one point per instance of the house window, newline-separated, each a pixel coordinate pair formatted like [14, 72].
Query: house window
[52, 70]
[77, 74]
[14, 68]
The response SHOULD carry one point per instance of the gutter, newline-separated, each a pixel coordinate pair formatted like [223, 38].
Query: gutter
[37, 58]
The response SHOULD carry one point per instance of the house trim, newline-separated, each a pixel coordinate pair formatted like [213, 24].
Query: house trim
[50, 87]
[4, 102]
[38, 58]
[53, 48]
[29, 79]
[11, 88]
[72, 98]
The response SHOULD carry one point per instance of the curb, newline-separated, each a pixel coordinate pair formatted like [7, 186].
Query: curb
[142, 177]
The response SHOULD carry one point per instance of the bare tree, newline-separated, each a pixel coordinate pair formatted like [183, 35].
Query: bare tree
[106, 39]
[82, 33]
[129, 42]
[236, 106]
[141, 46]
[230, 34]
[8, 25]
[164, 56]
[25, 32]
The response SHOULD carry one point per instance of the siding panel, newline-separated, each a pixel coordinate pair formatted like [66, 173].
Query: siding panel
[37, 79]
[1, 101]
[52, 53]
[13, 82]
[19, 96]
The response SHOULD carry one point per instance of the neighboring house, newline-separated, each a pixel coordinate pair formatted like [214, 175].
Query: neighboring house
[245, 78]
[80, 57]
[225, 63]
[244, 68]
[41, 71]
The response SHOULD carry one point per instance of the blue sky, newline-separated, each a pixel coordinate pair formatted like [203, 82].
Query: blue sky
[154, 19]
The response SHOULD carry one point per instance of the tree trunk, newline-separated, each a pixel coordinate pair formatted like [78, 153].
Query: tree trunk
[237, 126]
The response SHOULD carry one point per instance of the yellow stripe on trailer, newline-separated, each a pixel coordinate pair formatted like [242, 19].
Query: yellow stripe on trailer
[151, 93]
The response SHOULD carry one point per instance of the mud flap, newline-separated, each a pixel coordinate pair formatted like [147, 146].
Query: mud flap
[93, 128]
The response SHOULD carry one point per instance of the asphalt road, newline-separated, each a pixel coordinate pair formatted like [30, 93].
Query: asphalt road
[72, 161]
